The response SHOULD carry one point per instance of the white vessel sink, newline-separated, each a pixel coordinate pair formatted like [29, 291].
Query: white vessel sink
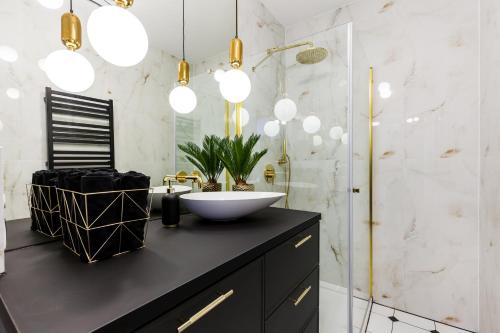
[223, 206]
[159, 191]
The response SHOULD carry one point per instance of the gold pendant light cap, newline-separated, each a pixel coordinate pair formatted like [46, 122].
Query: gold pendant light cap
[124, 3]
[236, 53]
[71, 31]
[183, 73]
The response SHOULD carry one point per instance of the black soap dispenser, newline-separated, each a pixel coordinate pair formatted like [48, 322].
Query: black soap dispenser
[170, 210]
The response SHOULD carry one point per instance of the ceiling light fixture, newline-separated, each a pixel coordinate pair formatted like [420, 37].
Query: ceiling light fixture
[182, 99]
[285, 110]
[8, 54]
[311, 124]
[51, 4]
[244, 117]
[235, 85]
[117, 35]
[67, 69]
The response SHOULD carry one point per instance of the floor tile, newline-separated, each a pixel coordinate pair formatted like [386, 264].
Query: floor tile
[400, 327]
[414, 320]
[442, 328]
[382, 310]
[379, 324]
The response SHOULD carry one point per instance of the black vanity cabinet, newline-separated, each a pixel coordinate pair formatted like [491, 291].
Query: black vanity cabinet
[285, 280]
[257, 274]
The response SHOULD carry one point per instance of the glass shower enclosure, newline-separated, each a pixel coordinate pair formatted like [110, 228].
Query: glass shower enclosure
[314, 158]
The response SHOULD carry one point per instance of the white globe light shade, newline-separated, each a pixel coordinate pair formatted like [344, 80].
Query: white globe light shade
[317, 140]
[336, 133]
[51, 4]
[244, 117]
[285, 110]
[41, 64]
[8, 53]
[182, 99]
[311, 124]
[272, 128]
[219, 74]
[345, 138]
[69, 71]
[235, 86]
[13, 93]
[117, 36]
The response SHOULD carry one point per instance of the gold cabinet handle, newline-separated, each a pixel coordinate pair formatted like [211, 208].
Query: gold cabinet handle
[302, 241]
[299, 299]
[200, 314]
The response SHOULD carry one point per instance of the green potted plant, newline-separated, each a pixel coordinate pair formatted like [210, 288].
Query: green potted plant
[239, 159]
[206, 160]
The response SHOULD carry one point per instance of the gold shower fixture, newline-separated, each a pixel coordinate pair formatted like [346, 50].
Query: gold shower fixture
[311, 55]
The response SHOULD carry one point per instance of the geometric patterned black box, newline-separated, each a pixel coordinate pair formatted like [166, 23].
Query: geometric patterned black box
[44, 210]
[100, 225]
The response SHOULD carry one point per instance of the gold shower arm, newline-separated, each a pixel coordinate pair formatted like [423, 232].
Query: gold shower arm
[274, 50]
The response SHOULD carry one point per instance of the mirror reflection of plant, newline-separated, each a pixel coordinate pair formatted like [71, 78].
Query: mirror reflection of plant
[205, 158]
[238, 157]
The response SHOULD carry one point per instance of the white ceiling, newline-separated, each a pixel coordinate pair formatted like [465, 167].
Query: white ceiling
[210, 23]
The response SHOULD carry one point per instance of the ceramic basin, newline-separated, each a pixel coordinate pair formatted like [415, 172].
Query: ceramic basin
[159, 191]
[224, 206]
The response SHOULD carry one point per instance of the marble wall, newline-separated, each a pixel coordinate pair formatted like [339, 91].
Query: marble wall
[143, 118]
[489, 250]
[426, 149]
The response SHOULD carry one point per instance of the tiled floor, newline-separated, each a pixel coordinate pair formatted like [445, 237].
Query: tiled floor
[333, 309]
[388, 320]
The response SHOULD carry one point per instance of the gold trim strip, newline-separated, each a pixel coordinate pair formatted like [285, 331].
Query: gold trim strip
[370, 177]
[238, 129]
[301, 242]
[301, 296]
[203, 312]
[227, 134]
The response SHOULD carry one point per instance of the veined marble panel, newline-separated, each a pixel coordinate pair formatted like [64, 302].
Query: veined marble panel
[143, 119]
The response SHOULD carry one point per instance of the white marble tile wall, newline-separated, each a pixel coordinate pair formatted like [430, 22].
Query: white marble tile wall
[143, 118]
[489, 301]
[426, 170]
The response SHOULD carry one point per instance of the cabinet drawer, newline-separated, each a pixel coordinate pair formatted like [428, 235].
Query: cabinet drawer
[313, 326]
[295, 313]
[231, 305]
[288, 264]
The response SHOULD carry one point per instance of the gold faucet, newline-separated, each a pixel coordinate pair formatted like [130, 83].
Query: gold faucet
[182, 176]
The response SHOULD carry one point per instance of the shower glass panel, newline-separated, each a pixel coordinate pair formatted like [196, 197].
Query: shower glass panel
[316, 166]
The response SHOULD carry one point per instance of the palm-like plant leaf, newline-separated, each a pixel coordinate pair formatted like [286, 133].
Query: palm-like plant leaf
[237, 157]
[205, 158]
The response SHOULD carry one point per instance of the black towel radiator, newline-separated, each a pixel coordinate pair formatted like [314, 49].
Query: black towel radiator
[79, 131]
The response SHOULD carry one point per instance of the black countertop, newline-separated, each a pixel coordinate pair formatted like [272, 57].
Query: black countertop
[19, 234]
[47, 289]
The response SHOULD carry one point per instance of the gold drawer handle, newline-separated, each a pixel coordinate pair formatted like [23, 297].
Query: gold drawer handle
[301, 242]
[297, 301]
[204, 311]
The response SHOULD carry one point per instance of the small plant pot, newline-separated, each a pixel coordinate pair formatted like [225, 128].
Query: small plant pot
[243, 187]
[211, 187]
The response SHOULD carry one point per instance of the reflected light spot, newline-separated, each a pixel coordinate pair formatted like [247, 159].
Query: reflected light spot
[8, 53]
[13, 93]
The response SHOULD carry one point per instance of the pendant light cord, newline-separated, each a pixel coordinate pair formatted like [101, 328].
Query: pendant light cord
[71, 6]
[183, 33]
[236, 19]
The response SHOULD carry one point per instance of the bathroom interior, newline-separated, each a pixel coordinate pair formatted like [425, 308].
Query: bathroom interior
[249, 166]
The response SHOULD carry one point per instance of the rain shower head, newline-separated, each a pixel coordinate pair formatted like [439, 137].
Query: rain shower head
[311, 55]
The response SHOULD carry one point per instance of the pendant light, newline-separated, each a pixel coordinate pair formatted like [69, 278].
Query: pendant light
[235, 85]
[285, 110]
[182, 99]
[67, 69]
[117, 35]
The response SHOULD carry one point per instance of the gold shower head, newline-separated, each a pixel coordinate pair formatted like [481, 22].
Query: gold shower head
[312, 55]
